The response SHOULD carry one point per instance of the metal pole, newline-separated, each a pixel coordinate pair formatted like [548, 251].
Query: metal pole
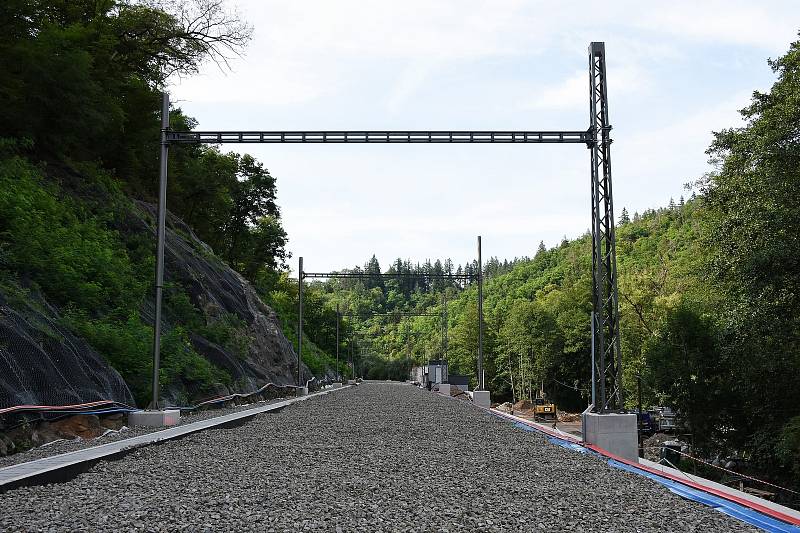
[639, 402]
[160, 237]
[480, 317]
[299, 321]
[444, 336]
[338, 376]
[408, 340]
[594, 378]
[446, 340]
[639, 415]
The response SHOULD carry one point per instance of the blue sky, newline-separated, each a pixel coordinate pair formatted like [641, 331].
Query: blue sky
[676, 71]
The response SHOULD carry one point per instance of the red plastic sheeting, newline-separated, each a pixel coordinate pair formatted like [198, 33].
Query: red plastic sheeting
[57, 407]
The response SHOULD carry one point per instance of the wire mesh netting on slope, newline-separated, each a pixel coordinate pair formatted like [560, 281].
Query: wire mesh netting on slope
[42, 362]
[223, 340]
[203, 297]
[257, 352]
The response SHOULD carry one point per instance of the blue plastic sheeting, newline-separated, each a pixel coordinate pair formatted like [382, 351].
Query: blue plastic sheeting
[575, 447]
[740, 512]
[525, 427]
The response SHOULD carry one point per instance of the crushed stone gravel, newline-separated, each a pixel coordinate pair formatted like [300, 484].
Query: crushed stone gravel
[378, 457]
[70, 445]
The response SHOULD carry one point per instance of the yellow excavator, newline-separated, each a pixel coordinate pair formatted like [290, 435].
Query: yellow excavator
[543, 409]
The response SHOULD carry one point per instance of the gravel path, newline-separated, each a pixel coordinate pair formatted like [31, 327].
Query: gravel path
[379, 457]
[66, 446]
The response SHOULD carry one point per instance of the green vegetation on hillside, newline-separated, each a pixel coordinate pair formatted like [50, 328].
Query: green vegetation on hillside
[79, 134]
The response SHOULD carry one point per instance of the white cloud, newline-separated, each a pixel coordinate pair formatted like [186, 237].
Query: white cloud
[303, 50]
[663, 158]
[764, 24]
[273, 82]
[573, 91]
[482, 64]
[413, 28]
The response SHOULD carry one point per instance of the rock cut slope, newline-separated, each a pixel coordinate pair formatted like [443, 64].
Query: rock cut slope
[218, 291]
[43, 363]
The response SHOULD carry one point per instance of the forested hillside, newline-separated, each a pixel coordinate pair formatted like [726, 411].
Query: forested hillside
[708, 294]
[79, 142]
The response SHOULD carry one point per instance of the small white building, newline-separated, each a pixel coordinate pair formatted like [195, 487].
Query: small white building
[417, 374]
[433, 373]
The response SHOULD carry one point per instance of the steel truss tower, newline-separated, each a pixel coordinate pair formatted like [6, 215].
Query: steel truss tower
[607, 369]
[608, 360]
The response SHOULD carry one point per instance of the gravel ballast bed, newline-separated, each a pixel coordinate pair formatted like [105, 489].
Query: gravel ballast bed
[65, 446]
[378, 457]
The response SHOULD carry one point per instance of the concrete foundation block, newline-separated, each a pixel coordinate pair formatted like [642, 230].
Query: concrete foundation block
[351, 382]
[482, 398]
[614, 432]
[336, 385]
[302, 391]
[444, 389]
[154, 419]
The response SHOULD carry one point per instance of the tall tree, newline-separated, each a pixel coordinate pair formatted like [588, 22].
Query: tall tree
[753, 227]
[82, 78]
[374, 277]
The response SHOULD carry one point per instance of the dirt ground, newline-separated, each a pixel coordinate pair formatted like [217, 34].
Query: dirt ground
[567, 422]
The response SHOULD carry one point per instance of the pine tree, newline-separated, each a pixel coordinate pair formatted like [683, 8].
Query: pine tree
[437, 280]
[373, 271]
[624, 218]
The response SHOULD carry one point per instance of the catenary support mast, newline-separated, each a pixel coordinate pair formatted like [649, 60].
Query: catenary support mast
[608, 360]
[480, 317]
[338, 318]
[160, 243]
[300, 322]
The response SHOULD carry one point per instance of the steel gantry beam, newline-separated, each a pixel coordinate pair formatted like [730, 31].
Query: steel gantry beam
[357, 275]
[398, 314]
[607, 368]
[245, 137]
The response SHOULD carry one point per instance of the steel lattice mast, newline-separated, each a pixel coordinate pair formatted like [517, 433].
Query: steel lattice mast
[608, 360]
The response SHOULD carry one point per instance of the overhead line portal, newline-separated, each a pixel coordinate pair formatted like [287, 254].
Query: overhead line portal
[607, 390]
[245, 137]
[396, 275]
